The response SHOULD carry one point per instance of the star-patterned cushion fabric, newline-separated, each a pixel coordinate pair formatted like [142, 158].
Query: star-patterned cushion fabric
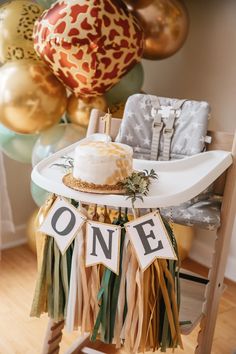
[190, 128]
[202, 211]
[189, 137]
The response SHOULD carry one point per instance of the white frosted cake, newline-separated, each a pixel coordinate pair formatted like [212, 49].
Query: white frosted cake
[102, 163]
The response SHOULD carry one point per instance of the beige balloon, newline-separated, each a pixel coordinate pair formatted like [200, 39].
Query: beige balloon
[17, 20]
[31, 97]
[79, 108]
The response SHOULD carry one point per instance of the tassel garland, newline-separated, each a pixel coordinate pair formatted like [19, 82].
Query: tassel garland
[137, 310]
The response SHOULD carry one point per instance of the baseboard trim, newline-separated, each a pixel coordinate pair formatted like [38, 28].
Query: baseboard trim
[13, 244]
[21, 239]
[200, 253]
[230, 269]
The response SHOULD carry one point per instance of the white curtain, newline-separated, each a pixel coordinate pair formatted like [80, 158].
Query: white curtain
[6, 220]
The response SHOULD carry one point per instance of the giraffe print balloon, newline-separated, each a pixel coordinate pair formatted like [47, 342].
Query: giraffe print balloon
[89, 44]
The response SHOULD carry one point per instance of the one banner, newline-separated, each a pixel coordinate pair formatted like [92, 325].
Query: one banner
[63, 223]
[103, 245]
[150, 239]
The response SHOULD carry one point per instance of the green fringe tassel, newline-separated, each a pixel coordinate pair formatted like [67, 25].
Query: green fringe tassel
[166, 339]
[108, 295]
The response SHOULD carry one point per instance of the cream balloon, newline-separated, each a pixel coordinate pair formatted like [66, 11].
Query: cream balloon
[16, 30]
[31, 97]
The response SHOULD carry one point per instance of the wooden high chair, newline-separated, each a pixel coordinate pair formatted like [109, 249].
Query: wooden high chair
[199, 300]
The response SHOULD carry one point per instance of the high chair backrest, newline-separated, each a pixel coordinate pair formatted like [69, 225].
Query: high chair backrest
[220, 140]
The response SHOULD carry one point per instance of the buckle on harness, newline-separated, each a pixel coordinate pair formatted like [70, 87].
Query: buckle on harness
[165, 111]
[168, 132]
[157, 125]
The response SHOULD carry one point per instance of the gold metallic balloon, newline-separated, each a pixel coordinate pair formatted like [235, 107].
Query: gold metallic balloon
[79, 108]
[31, 231]
[117, 110]
[165, 24]
[17, 20]
[40, 237]
[31, 97]
[184, 236]
[36, 239]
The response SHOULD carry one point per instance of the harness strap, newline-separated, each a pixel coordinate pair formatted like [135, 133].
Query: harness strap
[158, 112]
[156, 130]
[168, 130]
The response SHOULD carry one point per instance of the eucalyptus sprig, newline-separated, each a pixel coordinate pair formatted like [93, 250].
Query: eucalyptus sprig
[68, 163]
[137, 185]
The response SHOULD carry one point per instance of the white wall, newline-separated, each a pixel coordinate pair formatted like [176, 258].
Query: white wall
[18, 182]
[204, 69]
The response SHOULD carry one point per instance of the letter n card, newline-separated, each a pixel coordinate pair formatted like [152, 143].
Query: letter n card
[103, 245]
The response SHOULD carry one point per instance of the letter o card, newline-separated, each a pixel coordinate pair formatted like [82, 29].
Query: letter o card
[150, 239]
[62, 222]
[103, 245]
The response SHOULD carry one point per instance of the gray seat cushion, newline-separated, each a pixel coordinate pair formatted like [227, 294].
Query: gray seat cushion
[202, 211]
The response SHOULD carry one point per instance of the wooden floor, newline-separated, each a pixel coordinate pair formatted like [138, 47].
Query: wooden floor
[20, 334]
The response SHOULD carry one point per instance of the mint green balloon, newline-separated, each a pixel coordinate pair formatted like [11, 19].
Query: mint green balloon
[128, 85]
[38, 194]
[17, 146]
[56, 138]
[45, 3]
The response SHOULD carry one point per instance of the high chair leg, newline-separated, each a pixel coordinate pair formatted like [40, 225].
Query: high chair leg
[216, 275]
[53, 337]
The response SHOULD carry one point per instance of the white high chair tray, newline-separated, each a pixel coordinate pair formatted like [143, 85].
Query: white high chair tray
[178, 180]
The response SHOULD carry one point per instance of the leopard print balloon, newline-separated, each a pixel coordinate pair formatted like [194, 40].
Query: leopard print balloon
[89, 44]
[17, 20]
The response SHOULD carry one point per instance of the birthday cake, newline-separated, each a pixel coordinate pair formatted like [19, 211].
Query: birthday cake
[100, 166]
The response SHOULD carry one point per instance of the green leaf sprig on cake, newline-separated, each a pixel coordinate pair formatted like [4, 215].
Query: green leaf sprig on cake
[137, 185]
